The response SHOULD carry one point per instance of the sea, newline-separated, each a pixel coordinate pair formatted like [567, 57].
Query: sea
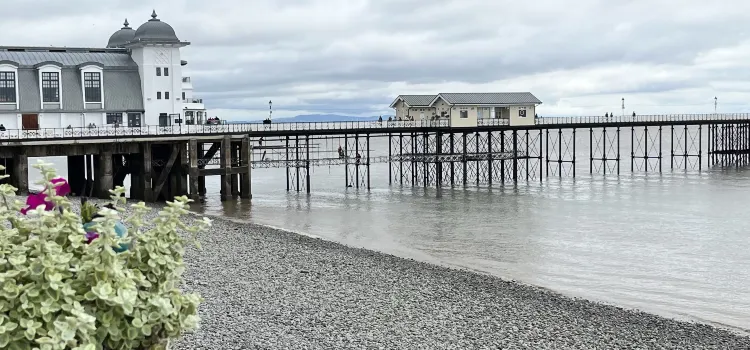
[675, 243]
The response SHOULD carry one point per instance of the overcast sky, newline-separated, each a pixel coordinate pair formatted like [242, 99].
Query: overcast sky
[353, 57]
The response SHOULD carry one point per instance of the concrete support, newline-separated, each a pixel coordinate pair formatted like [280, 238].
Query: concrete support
[235, 178]
[104, 174]
[193, 154]
[146, 172]
[183, 171]
[201, 179]
[226, 167]
[20, 175]
[246, 153]
[77, 174]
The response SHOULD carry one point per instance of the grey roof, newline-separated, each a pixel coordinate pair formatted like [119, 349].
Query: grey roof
[417, 100]
[28, 57]
[490, 98]
[122, 91]
[155, 30]
[122, 36]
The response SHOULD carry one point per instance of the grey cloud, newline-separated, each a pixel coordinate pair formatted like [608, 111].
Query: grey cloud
[244, 53]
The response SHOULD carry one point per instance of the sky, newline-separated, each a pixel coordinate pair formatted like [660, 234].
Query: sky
[353, 57]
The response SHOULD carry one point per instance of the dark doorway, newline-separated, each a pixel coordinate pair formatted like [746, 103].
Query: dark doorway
[163, 119]
[30, 121]
[134, 120]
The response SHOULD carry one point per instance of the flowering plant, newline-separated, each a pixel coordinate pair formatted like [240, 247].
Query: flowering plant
[59, 290]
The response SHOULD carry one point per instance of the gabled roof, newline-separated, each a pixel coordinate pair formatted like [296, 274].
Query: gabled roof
[487, 98]
[414, 100]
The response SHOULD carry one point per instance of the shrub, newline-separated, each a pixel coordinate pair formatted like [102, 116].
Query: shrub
[63, 289]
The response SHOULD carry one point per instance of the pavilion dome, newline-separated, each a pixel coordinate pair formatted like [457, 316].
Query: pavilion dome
[122, 36]
[155, 30]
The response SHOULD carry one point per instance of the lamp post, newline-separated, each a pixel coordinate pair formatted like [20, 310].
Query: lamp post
[270, 109]
[716, 102]
[623, 106]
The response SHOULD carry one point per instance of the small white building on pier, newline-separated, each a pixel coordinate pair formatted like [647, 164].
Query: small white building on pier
[468, 109]
[136, 80]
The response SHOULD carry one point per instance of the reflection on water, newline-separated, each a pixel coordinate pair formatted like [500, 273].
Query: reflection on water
[675, 244]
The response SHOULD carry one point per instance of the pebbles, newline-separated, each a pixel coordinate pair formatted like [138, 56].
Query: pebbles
[270, 289]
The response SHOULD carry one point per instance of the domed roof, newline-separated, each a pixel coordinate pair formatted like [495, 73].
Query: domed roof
[155, 30]
[122, 36]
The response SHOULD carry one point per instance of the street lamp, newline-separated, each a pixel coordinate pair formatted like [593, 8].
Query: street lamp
[623, 106]
[270, 109]
[716, 102]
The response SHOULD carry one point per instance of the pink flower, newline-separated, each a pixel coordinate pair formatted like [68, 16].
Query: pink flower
[33, 201]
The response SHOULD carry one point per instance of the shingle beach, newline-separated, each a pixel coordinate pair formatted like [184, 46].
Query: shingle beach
[270, 289]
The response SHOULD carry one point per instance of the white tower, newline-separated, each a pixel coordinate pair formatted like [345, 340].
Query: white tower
[155, 48]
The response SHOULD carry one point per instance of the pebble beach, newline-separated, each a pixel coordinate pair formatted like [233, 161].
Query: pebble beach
[266, 288]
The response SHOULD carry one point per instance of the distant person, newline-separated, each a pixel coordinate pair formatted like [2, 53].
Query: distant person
[390, 119]
[606, 115]
[633, 114]
[260, 141]
[341, 152]
[380, 119]
[2, 127]
[359, 157]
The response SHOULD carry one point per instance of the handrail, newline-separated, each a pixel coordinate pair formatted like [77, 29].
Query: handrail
[238, 128]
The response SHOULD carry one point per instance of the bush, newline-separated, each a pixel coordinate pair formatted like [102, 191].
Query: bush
[63, 289]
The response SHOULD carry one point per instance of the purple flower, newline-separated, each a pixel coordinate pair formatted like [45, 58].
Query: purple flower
[91, 236]
[62, 188]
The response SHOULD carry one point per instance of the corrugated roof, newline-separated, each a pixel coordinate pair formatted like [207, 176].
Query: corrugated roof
[490, 98]
[122, 91]
[417, 100]
[30, 58]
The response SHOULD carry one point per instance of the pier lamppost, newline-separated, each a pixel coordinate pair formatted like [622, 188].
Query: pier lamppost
[623, 106]
[716, 102]
[270, 109]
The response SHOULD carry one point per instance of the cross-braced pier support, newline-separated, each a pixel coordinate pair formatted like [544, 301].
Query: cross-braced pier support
[235, 163]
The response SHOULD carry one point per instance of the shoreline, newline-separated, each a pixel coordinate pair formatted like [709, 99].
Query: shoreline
[267, 287]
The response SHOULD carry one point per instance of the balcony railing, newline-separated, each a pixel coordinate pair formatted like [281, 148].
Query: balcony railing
[240, 128]
[192, 100]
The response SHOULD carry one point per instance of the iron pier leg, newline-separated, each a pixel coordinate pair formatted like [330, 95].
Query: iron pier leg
[645, 152]
[515, 156]
[660, 150]
[307, 163]
[425, 162]
[502, 151]
[632, 149]
[346, 160]
[605, 163]
[574, 153]
[591, 150]
[541, 173]
[296, 162]
[476, 142]
[287, 163]
[367, 140]
[356, 160]
[439, 164]
[453, 153]
[671, 147]
[546, 150]
[618, 150]
[700, 147]
[527, 155]
[390, 156]
[464, 160]
[559, 153]
[401, 158]
[489, 157]
[686, 148]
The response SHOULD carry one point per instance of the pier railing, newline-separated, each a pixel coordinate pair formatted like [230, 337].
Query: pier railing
[642, 118]
[239, 128]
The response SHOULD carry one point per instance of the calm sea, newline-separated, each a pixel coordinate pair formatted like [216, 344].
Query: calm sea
[675, 244]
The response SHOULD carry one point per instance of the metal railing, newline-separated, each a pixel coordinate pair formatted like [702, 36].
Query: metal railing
[207, 129]
[239, 128]
[642, 118]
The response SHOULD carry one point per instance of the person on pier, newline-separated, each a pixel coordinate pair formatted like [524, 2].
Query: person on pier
[341, 152]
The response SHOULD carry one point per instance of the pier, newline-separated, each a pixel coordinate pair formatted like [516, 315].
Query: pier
[164, 162]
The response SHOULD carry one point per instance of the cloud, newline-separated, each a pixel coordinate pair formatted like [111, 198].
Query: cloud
[354, 56]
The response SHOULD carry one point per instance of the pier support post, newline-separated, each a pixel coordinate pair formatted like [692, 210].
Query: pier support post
[20, 173]
[104, 176]
[193, 170]
[246, 159]
[146, 172]
[226, 166]
[76, 174]
[234, 177]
